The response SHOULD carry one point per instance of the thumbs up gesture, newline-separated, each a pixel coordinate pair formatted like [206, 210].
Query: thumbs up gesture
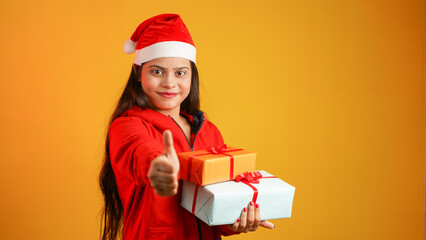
[164, 169]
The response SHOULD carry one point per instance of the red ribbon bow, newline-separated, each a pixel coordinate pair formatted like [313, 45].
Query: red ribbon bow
[250, 177]
[219, 149]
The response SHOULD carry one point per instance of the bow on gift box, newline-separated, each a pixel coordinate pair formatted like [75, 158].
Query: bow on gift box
[250, 177]
[219, 149]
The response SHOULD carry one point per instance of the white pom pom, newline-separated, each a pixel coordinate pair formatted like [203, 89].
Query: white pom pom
[129, 46]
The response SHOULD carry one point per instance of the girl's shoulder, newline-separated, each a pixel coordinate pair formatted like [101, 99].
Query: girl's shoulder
[209, 135]
[136, 120]
[208, 127]
[142, 116]
[210, 124]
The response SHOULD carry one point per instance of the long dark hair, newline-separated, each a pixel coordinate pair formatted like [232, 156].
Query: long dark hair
[112, 214]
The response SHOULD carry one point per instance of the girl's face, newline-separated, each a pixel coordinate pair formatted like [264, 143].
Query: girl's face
[166, 81]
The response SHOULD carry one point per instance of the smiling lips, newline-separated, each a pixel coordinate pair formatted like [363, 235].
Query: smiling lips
[167, 94]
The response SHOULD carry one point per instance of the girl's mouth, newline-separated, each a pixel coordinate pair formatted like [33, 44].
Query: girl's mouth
[167, 94]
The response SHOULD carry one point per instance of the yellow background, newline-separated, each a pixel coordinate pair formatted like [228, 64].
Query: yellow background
[330, 94]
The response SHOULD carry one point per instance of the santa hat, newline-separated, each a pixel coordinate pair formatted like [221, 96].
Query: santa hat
[164, 35]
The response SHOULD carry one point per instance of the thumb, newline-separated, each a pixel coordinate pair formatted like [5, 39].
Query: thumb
[168, 143]
[267, 224]
[169, 150]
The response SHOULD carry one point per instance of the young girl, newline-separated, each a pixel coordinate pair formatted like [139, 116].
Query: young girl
[157, 116]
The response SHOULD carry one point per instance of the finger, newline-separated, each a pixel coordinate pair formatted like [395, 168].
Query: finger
[256, 217]
[159, 180]
[234, 227]
[243, 220]
[164, 186]
[267, 224]
[162, 189]
[161, 164]
[250, 217]
[163, 178]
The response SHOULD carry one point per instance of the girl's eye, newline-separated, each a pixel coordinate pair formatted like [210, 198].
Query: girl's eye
[181, 73]
[157, 71]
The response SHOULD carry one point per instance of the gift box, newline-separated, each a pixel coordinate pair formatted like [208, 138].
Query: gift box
[217, 164]
[222, 203]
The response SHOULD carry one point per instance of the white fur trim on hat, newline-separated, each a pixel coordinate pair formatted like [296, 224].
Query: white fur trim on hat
[129, 46]
[165, 49]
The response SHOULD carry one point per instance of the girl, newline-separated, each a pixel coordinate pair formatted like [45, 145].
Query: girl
[158, 115]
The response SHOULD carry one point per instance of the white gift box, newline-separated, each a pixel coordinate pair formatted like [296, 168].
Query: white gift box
[222, 203]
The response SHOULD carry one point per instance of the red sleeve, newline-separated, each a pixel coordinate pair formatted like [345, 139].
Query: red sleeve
[132, 149]
[226, 231]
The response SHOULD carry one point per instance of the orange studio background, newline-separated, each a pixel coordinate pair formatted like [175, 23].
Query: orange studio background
[330, 94]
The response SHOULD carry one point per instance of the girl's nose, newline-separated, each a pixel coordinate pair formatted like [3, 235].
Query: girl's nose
[168, 81]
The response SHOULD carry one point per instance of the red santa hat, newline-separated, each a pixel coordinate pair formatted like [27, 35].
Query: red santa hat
[164, 35]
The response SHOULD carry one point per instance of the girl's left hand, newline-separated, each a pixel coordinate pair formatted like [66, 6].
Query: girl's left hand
[250, 220]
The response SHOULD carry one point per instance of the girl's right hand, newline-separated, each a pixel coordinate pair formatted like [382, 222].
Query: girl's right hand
[250, 220]
[163, 172]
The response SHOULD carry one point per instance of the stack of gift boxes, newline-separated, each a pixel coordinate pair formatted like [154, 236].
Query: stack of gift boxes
[221, 181]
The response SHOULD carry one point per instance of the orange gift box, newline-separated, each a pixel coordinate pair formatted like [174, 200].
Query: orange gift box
[215, 165]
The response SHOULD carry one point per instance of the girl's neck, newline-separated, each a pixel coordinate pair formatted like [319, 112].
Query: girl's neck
[174, 113]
